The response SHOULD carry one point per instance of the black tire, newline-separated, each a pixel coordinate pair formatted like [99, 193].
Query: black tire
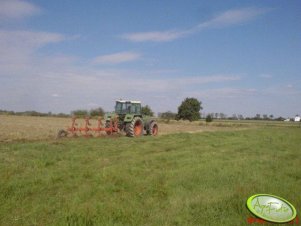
[62, 133]
[153, 129]
[121, 125]
[107, 125]
[122, 128]
[127, 129]
[134, 128]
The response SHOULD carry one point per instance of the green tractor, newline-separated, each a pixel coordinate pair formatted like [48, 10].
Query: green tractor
[130, 119]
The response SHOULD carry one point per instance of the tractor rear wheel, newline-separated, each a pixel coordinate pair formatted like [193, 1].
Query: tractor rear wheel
[134, 128]
[153, 129]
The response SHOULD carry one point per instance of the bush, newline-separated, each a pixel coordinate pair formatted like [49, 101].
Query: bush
[63, 115]
[146, 110]
[209, 118]
[168, 115]
[80, 113]
[97, 112]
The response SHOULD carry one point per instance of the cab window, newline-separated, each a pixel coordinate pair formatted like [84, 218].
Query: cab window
[118, 107]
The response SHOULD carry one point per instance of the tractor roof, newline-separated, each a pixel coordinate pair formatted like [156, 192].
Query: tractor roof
[129, 101]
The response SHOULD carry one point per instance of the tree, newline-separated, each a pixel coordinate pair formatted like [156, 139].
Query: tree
[97, 112]
[146, 110]
[189, 109]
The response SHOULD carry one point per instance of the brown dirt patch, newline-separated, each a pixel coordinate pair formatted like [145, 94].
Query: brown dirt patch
[13, 128]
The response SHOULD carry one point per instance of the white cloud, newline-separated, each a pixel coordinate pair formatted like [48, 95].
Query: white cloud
[225, 99]
[18, 50]
[16, 9]
[117, 58]
[78, 86]
[284, 90]
[228, 18]
[197, 80]
[28, 39]
[229, 93]
[154, 36]
[233, 17]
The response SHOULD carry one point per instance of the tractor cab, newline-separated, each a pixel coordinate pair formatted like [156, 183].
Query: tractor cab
[124, 107]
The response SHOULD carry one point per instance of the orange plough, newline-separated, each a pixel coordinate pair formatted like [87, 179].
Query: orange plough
[87, 130]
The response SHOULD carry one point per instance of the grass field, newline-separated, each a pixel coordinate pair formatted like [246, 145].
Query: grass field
[173, 179]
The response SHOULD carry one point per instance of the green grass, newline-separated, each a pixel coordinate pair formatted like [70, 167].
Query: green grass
[180, 179]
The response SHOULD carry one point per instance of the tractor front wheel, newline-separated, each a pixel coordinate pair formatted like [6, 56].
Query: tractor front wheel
[134, 128]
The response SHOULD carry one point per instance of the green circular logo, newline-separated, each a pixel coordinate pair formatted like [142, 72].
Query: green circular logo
[271, 208]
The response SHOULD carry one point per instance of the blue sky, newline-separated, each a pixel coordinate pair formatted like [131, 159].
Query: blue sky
[240, 57]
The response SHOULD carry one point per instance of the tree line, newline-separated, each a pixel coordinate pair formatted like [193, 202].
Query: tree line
[33, 113]
[189, 109]
[92, 112]
[146, 110]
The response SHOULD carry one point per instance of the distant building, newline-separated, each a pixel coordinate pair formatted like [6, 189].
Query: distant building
[297, 118]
